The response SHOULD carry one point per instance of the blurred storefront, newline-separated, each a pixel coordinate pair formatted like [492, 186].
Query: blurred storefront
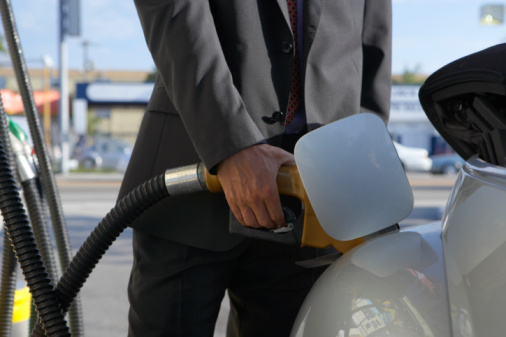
[408, 123]
[111, 104]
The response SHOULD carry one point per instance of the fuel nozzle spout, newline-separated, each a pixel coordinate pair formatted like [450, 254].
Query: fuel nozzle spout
[190, 179]
[186, 179]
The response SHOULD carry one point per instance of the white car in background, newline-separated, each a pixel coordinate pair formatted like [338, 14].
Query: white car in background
[413, 158]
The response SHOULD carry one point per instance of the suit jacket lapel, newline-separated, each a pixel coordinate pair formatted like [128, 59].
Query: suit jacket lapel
[312, 13]
[284, 9]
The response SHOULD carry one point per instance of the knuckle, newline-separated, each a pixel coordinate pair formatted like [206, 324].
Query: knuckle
[279, 219]
[266, 223]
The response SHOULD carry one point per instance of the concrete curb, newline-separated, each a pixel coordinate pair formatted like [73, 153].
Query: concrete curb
[90, 176]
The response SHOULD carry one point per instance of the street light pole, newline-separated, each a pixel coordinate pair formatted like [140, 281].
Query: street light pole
[63, 116]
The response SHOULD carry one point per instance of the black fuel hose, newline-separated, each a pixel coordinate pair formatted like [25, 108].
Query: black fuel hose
[109, 228]
[46, 173]
[9, 263]
[40, 231]
[38, 221]
[27, 253]
[8, 287]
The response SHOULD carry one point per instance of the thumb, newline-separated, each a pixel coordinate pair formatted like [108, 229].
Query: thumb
[283, 157]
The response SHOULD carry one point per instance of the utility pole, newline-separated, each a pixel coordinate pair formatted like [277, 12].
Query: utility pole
[88, 64]
[86, 44]
[63, 116]
[69, 26]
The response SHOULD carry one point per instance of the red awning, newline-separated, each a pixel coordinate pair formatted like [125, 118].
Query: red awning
[13, 103]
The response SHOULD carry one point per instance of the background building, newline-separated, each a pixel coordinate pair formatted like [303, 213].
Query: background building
[110, 104]
[108, 120]
[408, 123]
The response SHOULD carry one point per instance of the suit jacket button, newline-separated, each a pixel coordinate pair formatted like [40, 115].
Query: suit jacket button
[286, 47]
[277, 117]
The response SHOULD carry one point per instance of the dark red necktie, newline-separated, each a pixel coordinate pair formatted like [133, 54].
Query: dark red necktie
[294, 99]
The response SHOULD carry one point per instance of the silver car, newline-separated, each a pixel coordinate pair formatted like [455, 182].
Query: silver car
[442, 279]
[109, 154]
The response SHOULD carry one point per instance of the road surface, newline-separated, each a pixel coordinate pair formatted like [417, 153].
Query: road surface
[86, 199]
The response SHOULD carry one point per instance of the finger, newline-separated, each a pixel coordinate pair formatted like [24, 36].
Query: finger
[275, 213]
[258, 216]
[237, 213]
[250, 219]
[262, 213]
[284, 157]
[272, 205]
[245, 214]
[265, 203]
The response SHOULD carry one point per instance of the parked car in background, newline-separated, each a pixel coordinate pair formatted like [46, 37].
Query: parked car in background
[413, 158]
[109, 153]
[447, 163]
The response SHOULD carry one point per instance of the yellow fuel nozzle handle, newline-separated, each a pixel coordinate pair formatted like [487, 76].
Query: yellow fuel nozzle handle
[290, 184]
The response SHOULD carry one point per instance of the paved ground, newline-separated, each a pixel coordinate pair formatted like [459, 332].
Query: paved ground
[87, 198]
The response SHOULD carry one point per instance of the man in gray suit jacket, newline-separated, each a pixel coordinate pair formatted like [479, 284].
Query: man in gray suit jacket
[225, 70]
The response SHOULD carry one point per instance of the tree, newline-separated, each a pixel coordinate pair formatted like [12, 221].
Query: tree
[410, 76]
[152, 76]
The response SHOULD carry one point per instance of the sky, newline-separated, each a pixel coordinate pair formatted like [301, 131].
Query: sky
[427, 34]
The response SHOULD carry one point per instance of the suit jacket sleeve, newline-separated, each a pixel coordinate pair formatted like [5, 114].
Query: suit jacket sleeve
[377, 51]
[185, 47]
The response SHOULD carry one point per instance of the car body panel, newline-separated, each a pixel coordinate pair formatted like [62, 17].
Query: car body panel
[439, 279]
[474, 243]
[392, 285]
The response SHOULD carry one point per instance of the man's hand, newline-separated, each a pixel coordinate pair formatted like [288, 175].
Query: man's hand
[248, 178]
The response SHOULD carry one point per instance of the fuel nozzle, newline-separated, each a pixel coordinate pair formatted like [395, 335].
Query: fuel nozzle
[306, 230]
